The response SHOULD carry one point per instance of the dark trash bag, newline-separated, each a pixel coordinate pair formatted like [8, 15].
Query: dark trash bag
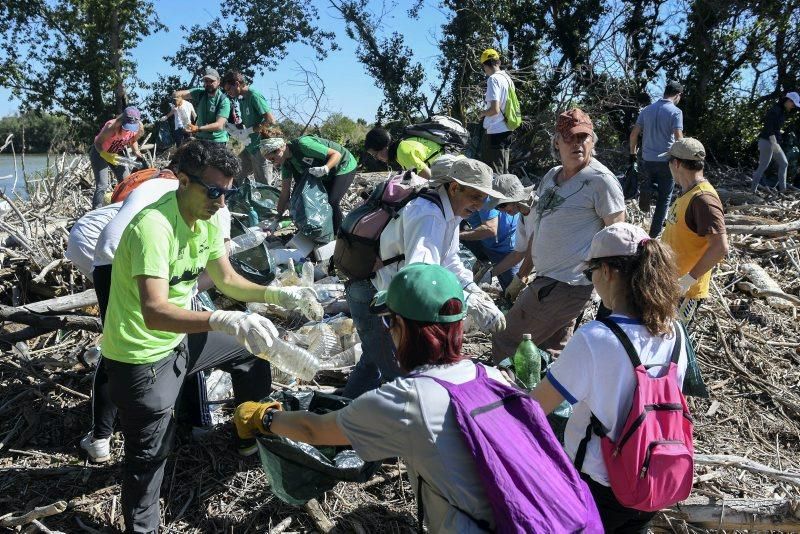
[255, 264]
[693, 384]
[630, 183]
[310, 210]
[164, 136]
[298, 472]
[262, 198]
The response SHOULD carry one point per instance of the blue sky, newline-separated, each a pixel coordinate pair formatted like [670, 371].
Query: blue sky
[349, 89]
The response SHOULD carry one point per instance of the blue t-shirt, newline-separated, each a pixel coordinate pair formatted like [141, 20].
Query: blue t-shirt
[658, 122]
[505, 239]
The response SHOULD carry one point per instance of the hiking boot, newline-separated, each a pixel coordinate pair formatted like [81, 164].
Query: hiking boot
[97, 450]
[644, 201]
[246, 447]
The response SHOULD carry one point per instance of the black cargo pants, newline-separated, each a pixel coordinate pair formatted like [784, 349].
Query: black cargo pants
[145, 396]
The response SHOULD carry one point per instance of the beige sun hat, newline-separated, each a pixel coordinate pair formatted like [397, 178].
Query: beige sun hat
[512, 189]
[471, 173]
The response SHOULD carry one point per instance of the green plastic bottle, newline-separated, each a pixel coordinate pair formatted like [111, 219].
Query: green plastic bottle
[528, 363]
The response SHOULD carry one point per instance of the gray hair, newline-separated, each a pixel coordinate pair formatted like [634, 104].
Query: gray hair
[554, 150]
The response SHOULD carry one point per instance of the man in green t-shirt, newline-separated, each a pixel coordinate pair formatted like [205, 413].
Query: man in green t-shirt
[212, 106]
[147, 352]
[255, 112]
[314, 156]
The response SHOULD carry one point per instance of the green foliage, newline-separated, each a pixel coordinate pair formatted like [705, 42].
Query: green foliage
[41, 131]
[344, 131]
[73, 55]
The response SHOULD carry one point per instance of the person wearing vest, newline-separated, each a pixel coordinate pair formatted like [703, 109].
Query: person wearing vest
[309, 155]
[422, 309]
[409, 153]
[695, 224]
[496, 139]
[636, 278]
[115, 136]
[213, 108]
[255, 111]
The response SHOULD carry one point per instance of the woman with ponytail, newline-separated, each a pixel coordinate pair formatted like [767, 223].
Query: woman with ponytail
[636, 278]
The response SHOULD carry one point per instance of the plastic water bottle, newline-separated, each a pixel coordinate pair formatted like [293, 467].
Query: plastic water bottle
[290, 359]
[91, 356]
[252, 217]
[528, 362]
[250, 239]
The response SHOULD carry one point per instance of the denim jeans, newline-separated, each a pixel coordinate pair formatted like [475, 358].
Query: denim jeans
[483, 254]
[658, 180]
[377, 363]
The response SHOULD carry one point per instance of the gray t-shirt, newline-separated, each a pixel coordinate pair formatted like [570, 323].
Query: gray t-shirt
[568, 216]
[412, 418]
[658, 122]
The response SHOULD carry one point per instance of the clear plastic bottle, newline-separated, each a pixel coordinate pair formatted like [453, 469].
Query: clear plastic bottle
[91, 357]
[250, 239]
[528, 362]
[291, 359]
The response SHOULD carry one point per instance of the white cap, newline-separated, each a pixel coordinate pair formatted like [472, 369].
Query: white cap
[794, 97]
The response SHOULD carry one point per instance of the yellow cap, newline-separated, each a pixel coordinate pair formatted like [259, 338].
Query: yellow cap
[489, 53]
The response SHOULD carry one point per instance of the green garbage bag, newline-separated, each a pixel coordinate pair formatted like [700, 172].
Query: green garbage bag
[693, 383]
[255, 264]
[261, 198]
[310, 210]
[298, 472]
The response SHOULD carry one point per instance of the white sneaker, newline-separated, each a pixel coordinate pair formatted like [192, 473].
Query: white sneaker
[98, 450]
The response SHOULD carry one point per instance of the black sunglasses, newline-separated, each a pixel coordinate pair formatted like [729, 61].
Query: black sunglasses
[213, 192]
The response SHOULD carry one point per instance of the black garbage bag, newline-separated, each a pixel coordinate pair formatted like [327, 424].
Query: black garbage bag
[298, 472]
[255, 264]
[261, 198]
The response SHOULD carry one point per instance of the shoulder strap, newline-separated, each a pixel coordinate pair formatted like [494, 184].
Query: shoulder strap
[624, 339]
[676, 350]
[480, 523]
[432, 196]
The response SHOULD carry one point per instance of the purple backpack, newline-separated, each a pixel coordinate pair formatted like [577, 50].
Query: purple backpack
[530, 482]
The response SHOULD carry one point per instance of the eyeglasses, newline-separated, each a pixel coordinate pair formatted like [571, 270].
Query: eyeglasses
[388, 321]
[213, 192]
[588, 272]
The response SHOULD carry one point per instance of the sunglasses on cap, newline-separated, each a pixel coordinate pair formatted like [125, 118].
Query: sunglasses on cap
[213, 192]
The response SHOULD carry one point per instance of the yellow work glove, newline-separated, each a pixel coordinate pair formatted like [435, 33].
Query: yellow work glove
[301, 299]
[113, 159]
[249, 417]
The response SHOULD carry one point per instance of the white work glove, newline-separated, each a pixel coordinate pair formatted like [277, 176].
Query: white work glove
[302, 299]
[318, 171]
[252, 331]
[686, 282]
[513, 289]
[482, 309]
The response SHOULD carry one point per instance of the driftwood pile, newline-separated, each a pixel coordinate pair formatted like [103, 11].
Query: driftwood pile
[747, 336]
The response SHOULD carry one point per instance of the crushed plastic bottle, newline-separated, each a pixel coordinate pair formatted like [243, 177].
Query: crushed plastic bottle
[253, 237]
[346, 358]
[91, 357]
[291, 359]
[307, 274]
[323, 341]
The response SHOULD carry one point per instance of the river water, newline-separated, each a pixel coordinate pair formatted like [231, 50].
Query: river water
[34, 163]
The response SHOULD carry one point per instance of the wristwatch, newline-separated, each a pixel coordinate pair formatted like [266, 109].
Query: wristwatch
[268, 419]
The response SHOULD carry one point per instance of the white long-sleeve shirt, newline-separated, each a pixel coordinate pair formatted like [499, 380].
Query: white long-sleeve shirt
[425, 235]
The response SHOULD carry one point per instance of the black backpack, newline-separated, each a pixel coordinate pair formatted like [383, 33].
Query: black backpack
[442, 130]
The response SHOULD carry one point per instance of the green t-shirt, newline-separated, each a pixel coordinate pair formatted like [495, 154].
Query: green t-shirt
[312, 151]
[417, 153]
[158, 243]
[209, 109]
[253, 107]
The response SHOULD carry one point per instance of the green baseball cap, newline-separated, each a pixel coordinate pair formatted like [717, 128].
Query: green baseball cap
[418, 292]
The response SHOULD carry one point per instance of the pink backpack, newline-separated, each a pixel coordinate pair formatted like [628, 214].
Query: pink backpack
[651, 465]
[357, 251]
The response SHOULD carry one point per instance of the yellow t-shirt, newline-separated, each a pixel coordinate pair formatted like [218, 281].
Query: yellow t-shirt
[157, 243]
[417, 153]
